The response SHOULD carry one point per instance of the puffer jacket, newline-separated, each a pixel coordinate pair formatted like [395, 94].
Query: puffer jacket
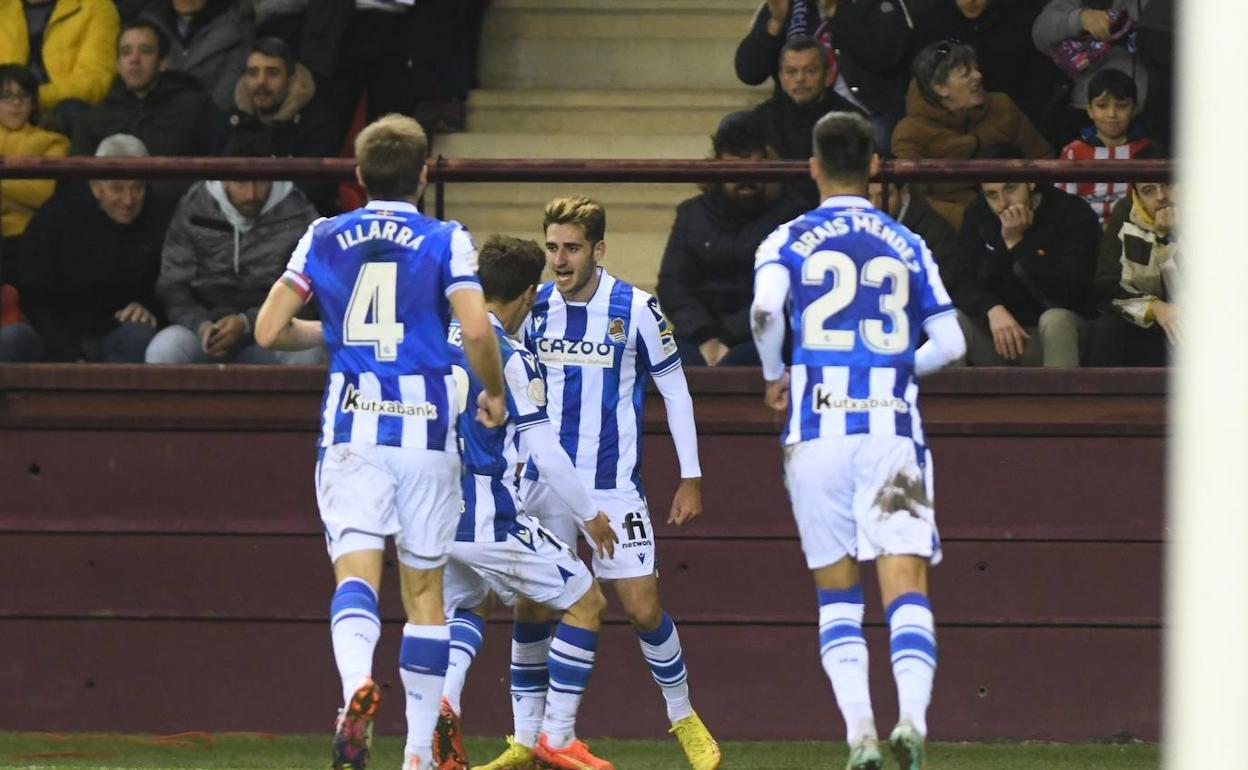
[216, 262]
[79, 48]
[214, 50]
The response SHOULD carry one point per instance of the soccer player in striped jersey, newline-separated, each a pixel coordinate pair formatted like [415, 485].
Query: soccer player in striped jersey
[386, 279]
[501, 550]
[858, 287]
[600, 340]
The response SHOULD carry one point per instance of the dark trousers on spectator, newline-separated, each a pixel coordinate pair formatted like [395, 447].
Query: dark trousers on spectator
[741, 354]
[124, 345]
[20, 343]
[374, 59]
[1118, 342]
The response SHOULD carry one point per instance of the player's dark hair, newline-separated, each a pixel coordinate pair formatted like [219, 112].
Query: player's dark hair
[935, 63]
[278, 49]
[1116, 83]
[844, 143]
[587, 214]
[508, 266]
[162, 40]
[391, 153]
[799, 43]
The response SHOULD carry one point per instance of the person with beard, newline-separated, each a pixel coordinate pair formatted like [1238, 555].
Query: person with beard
[168, 111]
[279, 93]
[228, 242]
[706, 278]
[208, 39]
[787, 118]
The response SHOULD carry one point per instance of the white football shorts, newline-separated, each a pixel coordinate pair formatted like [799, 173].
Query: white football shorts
[628, 513]
[531, 562]
[862, 496]
[367, 493]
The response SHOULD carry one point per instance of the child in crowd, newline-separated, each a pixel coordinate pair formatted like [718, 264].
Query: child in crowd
[1112, 136]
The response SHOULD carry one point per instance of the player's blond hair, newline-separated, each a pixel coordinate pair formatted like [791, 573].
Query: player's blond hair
[579, 210]
[391, 153]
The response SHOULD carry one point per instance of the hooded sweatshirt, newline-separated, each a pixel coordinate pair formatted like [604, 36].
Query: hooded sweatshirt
[216, 262]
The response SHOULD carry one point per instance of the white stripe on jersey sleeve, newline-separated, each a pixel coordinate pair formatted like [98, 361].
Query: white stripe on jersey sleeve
[298, 262]
[463, 253]
[934, 281]
[528, 391]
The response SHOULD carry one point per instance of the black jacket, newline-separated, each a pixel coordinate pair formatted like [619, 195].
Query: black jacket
[1051, 267]
[787, 127]
[82, 267]
[1001, 37]
[176, 117]
[871, 38]
[706, 278]
[924, 221]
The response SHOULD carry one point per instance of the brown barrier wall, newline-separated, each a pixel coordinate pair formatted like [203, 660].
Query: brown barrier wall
[162, 568]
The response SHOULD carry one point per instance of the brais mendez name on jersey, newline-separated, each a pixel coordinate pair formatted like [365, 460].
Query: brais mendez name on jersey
[833, 228]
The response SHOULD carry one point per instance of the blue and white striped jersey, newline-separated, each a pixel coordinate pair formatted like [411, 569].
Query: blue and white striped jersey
[382, 275]
[490, 455]
[597, 357]
[860, 287]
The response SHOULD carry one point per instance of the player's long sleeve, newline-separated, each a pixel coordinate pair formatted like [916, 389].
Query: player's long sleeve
[945, 344]
[679, 405]
[543, 447]
[771, 290]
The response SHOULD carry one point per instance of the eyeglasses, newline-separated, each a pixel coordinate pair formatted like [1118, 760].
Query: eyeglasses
[15, 97]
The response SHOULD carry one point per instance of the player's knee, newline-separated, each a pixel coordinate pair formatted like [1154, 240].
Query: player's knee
[592, 604]
[645, 616]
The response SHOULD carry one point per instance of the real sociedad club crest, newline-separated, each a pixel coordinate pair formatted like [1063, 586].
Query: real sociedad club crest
[616, 330]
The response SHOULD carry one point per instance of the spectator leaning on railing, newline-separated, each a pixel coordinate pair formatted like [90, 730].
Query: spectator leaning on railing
[1021, 278]
[950, 115]
[228, 242]
[1137, 278]
[91, 255]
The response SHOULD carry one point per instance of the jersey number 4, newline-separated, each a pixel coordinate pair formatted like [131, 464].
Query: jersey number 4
[371, 311]
[845, 283]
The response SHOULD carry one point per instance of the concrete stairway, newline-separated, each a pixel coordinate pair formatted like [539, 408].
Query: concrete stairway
[599, 79]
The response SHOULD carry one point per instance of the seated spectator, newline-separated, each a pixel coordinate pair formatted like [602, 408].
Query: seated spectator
[706, 279]
[910, 207]
[282, 19]
[1000, 33]
[19, 342]
[21, 198]
[1089, 35]
[68, 47]
[866, 42]
[1112, 136]
[208, 39]
[360, 48]
[950, 115]
[279, 93]
[788, 117]
[1137, 278]
[228, 242]
[91, 256]
[1021, 279]
[168, 110]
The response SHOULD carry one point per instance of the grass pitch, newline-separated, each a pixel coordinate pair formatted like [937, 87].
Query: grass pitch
[245, 751]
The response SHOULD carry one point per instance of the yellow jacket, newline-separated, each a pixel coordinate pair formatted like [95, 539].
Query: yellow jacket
[79, 48]
[22, 197]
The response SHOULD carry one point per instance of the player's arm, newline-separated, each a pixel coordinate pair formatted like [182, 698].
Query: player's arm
[945, 344]
[276, 326]
[771, 291]
[463, 291]
[542, 445]
[679, 405]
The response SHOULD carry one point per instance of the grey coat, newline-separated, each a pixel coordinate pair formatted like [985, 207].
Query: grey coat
[215, 262]
[216, 52]
[1060, 20]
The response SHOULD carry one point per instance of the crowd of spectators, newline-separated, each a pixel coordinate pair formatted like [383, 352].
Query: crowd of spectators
[170, 271]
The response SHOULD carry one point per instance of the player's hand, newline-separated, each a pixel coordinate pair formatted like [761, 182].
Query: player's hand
[1015, 220]
[1167, 317]
[776, 395]
[491, 410]
[713, 351]
[1007, 336]
[687, 504]
[135, 313]
[603, 537]
[1166, 220]
[1095, 23]
[225, 334]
